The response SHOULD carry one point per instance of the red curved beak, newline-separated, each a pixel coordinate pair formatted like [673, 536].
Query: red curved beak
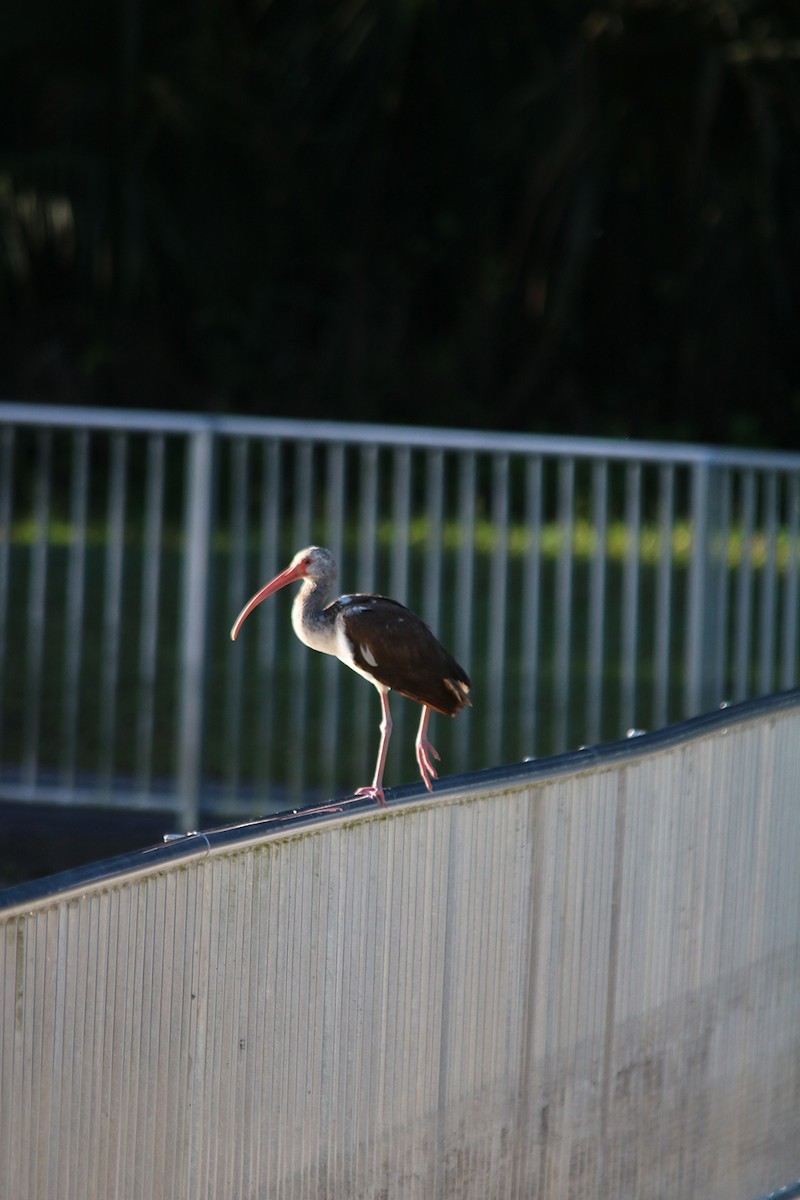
[290, 575]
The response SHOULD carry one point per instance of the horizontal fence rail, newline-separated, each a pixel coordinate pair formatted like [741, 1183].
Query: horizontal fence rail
[567, 979]
[588, 586]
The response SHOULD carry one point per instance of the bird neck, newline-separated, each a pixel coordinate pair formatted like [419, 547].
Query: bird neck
[308, 614]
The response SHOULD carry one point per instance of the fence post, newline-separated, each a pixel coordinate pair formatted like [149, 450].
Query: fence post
[193, 611]
[701, 682]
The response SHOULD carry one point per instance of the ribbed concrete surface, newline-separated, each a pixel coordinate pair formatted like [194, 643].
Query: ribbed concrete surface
[586, 985]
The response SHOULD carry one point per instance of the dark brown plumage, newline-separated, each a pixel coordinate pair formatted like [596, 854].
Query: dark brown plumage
[408, 658]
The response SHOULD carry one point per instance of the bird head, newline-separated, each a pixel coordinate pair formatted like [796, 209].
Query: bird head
[314, 563]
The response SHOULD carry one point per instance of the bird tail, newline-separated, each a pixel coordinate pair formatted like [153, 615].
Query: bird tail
[460, 692]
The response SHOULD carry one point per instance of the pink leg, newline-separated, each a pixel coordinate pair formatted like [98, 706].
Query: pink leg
[425, 750]
[375, 789]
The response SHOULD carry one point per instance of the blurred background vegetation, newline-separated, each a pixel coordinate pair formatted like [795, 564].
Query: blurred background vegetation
[545, 216]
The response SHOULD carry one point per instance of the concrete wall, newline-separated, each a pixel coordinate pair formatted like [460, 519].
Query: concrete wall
[578, 978]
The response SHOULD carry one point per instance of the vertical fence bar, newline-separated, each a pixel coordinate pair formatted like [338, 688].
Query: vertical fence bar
[435, 549]
[630, 594]
[498, 703]
[597, 601]
[237, 594]
[401, 512]
[768, 590]
[365, 709]
[335, 472]
[695, 598]
[269, 562]
[434, 507]
[744, 588]
[76, 588]
[299, 733]
[332, 673]
[707, 559]
[6, 491]
[531, 607]
[151, 595]
[663, 598]
[465, 575]
[112, 606]
[719, 593]
[563, 602]
[194, 621]
[37, 609]
[398, 571]
[303, 495]
[790, 589]
[367, 519]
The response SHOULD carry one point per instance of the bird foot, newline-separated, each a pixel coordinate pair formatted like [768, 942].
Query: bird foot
[426, 768]
[375, 793]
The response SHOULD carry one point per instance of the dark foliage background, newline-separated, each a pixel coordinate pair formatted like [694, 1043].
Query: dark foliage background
[533, 216]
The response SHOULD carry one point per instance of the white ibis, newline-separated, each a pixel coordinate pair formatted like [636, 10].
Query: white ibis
[378, 638]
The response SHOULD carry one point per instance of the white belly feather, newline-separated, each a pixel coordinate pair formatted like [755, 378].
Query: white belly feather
[332, 639]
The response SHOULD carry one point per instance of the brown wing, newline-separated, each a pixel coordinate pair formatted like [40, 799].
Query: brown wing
[397, 648]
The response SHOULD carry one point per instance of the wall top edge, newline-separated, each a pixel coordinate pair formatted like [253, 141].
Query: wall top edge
[196, 845]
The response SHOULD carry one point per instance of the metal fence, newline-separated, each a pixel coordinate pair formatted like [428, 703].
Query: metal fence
[588, 586]
[552, 982]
